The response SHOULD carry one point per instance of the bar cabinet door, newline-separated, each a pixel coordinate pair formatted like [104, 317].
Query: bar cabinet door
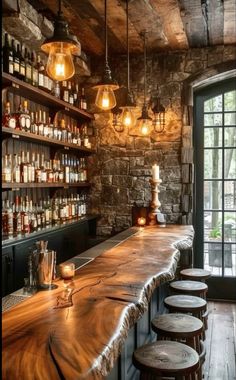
[7, 271]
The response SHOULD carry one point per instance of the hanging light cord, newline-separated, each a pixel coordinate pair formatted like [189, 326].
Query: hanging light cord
[59, 7]
[106, 53]
[127, 39]
[144, 43]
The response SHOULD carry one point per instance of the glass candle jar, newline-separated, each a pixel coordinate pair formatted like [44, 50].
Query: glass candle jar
[67, 271]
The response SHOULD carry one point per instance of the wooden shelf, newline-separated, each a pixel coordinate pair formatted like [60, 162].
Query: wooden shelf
[42, 97]
[27, 136]
[15, 186]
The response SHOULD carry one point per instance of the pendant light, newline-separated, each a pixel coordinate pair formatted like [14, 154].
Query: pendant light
[159, 116]
[105, 98]
[60, 48]
[144, 121]
[127, 116]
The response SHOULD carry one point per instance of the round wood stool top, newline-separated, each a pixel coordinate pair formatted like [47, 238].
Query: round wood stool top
[188, 286]
[166, 357]
[177, 325]
[195, 273]
[184, 302]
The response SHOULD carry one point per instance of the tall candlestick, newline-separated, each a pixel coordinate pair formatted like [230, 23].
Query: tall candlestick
[155, 172]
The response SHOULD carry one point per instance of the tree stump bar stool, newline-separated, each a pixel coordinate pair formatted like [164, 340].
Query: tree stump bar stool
[194, 288]
[187, 304]
[195, 274]
[182, 328]
[163, 359]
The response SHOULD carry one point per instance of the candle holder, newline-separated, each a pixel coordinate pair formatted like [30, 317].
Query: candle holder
[155, 203]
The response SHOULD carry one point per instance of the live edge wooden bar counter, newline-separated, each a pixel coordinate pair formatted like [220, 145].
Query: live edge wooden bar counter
[80, 334]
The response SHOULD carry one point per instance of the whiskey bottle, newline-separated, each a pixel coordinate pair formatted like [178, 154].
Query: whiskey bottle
[24, 118]
[16, 60]
[34, 71]
[75, 94]
[71, 94]
[83, 101]
[22, 62]
[7, 57]
[16, 169]
[17, 228]
[9, 212]
[40, 69]
[65, 92]
[8, 120]
[63, 131]
[23, 168]
[28, 68]
[85, 137]
[40, 124]
[6, 169]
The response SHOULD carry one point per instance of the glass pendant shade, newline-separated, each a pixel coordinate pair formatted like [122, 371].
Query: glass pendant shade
[144, 122]
[60, 48]
[60, 64]
[105, 98]
[127, 117]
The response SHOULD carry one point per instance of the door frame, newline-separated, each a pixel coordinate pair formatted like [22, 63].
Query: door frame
[219, 287]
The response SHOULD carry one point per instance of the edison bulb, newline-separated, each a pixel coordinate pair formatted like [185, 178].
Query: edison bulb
[105, 98]
[60, 64]
[127, 117]
[144, 128]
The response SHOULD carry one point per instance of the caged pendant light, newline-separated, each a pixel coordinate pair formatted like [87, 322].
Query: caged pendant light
[144, 121]
[60, 48]
[105, 98]
[127, 116]
[159, 116]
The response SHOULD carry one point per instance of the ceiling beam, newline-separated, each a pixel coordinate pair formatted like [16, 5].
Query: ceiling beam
[229, 22]
[194, 20]
[215, 12]
[173, 27]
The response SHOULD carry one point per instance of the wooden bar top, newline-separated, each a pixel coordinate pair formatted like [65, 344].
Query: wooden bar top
[79, 333]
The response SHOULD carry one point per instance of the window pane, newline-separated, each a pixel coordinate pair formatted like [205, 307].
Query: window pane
[230, 118]
[212, 137]
[230, 260]
[230, 226]
[213, 258]
[230, 195]
[230, 163]
[230, 101]
[213, 226]
[230, 136]
[212, 163]
[213, 119]
[213, 195]
[213, 104]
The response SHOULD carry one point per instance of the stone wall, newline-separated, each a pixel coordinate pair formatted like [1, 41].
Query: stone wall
[121, 169]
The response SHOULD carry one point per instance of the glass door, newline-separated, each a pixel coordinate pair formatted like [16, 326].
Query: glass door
[215, 186]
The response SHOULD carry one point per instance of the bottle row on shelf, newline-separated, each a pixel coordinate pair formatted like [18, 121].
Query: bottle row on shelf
[23, 216]
[26, 168]
[39, 123]
[26, 67]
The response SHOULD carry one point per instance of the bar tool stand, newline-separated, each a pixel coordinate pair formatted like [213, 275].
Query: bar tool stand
[155, 215]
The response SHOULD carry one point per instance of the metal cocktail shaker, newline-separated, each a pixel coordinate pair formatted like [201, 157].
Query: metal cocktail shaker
[44, 264]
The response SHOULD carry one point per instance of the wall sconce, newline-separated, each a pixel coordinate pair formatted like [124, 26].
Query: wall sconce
[60, 48]
[159, 116]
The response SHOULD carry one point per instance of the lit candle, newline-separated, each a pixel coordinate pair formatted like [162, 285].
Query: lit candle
[67, 271]
[155, 172]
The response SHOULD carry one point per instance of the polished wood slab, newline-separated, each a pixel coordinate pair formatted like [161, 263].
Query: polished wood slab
[78, 334]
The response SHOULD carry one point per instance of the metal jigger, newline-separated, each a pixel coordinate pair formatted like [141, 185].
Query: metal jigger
[155, 214]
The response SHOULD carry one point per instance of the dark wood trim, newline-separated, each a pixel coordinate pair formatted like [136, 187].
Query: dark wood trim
[14, 186]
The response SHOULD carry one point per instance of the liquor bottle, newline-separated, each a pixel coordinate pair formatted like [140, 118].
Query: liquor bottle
[40, 69]
[6, 169]
[50, 128]
[45, 125]
[69, 134]
[85, 137]
[40, 123]
[8, 120]
[43, 170]
[16, 169]
[33, 168]
[74, 135]
[83, 101]
[75, 94]
[79, 142]
[37, 170]
[32, 127]
[7, 57]
[56, 91]
[17, 217]
[24, 118]
[29, 167]
[22, 62]
[34, 71]
[25, 220]
[16, 60]
[9, 212]
[23, 168]
[63, 131]
[65, 92]
[28, 67]
[71, 94]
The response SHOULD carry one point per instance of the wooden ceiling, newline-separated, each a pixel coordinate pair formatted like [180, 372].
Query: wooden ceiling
[170, 24]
